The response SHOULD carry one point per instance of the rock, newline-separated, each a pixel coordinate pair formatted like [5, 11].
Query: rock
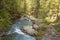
[29, 30]
[37, 22]
[35, 27]
[25, 17]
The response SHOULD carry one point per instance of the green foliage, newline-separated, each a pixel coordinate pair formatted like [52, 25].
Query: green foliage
[8, 11]
[4, 20]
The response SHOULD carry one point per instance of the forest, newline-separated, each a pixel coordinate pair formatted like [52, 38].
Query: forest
[46, 11]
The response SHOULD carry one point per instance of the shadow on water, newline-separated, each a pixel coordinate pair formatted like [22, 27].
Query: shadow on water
[16, 34]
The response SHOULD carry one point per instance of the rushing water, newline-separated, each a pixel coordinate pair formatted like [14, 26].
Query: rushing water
[16, 34]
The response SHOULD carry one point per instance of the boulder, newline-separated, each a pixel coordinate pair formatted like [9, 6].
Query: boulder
[25, 17]
[29, 30]
[35, 27]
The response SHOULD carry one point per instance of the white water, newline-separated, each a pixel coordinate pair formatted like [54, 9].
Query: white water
[17, 30]
[23, 36]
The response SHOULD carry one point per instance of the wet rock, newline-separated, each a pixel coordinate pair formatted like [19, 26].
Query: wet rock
[29, 30]
[37, 22]
[35, 27]
[25, 17]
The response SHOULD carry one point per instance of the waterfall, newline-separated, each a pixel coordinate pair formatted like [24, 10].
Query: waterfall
[17, 30]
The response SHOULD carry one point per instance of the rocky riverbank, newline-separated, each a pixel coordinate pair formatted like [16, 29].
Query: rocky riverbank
[31, 30]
